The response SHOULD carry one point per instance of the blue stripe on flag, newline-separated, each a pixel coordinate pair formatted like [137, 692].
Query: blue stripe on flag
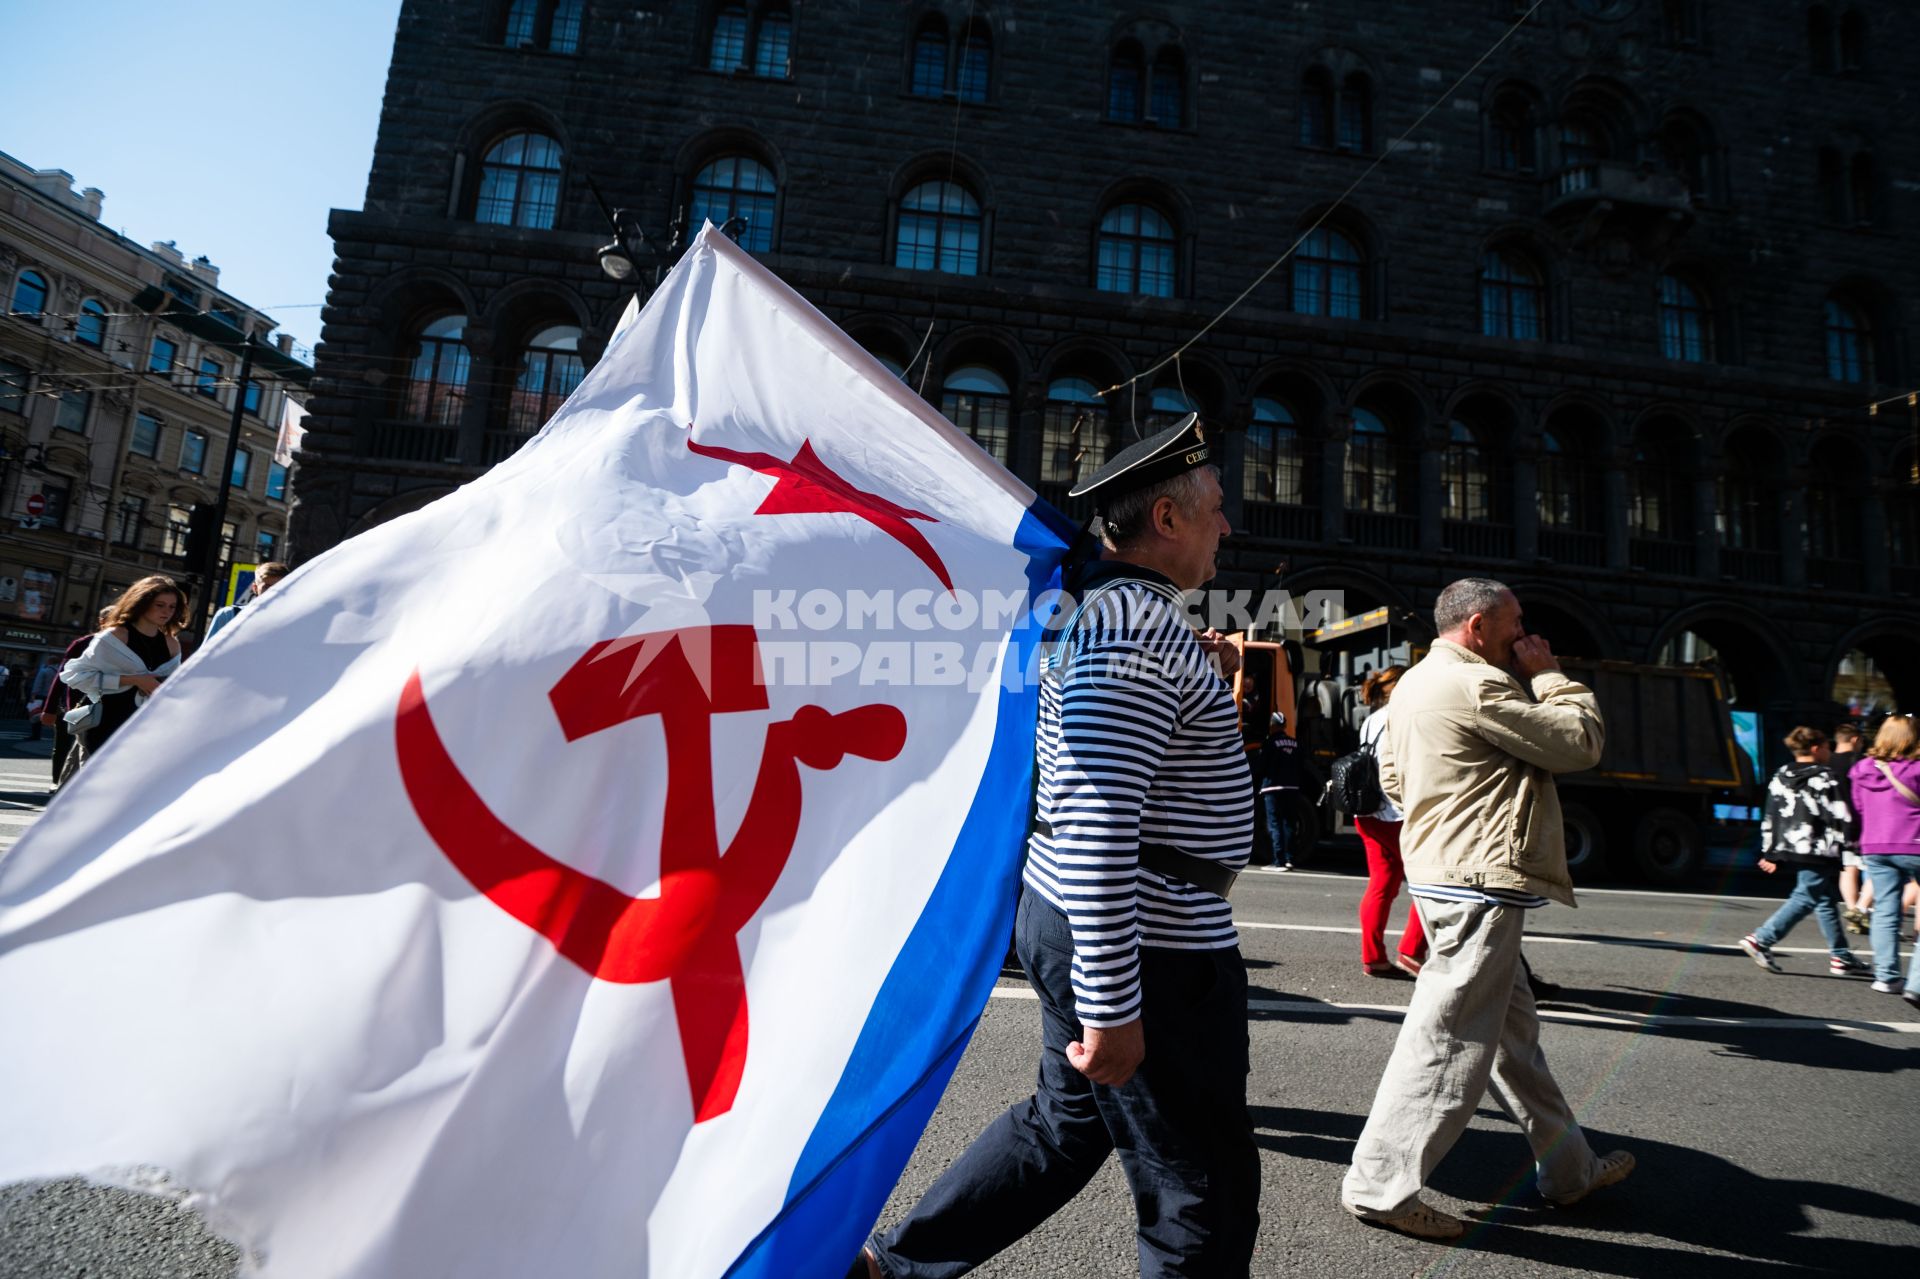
[925, 1011]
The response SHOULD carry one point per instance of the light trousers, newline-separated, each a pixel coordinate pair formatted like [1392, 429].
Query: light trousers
[1470, 1029]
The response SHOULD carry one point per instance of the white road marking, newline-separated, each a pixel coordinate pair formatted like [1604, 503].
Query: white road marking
[1637, 1021]
[1647, 943]
[1361, 883]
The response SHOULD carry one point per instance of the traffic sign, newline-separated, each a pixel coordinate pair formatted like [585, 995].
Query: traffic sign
[36, 503]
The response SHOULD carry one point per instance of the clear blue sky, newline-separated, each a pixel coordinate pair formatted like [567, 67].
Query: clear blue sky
[226, 125]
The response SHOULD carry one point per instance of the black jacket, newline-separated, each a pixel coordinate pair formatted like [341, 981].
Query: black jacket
[1807, 818]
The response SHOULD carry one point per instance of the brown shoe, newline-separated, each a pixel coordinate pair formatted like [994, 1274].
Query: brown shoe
[1380, 970]
[1407, 964]
[1614, 1168]
[1420, 1220]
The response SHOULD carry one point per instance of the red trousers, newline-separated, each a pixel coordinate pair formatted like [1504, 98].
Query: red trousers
[1384, 877]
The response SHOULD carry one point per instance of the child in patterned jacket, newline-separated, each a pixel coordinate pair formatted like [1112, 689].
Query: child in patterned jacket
[1808, 824]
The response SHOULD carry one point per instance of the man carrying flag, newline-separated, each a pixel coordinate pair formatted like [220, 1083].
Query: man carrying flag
[1144, 817]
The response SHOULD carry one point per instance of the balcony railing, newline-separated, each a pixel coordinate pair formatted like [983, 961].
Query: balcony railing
[1836, 574]
[413, 442]
[1658, 555]
[1478, 539]
[1570, 546]
[1280, 520]
[1378, 528]
[1623, 185]
[1748, 565]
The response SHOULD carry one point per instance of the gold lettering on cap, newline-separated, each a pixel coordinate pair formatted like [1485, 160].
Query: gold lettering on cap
[1196, 457]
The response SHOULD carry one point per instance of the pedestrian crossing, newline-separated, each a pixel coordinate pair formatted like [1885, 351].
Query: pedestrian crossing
[26, 784]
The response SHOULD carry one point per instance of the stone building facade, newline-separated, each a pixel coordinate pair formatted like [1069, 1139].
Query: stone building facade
[115, 410]
[1605, 322]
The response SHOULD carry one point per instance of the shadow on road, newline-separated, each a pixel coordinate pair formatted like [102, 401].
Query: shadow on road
[1678, 1193]
[1815, 1046]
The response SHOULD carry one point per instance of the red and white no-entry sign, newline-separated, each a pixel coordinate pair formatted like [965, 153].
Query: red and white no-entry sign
[36, 503]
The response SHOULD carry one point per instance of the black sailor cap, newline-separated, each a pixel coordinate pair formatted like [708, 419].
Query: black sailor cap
[1159, 457]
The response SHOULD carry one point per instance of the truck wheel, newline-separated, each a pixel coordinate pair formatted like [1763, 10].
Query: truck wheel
[1667, 846]
[1306, 831]
[1586, 842]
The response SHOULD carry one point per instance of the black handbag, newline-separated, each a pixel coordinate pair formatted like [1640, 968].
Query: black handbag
[1353, 783]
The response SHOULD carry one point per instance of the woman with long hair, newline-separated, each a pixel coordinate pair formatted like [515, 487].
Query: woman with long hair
[1380, 836]
[1886, 797]
[137, 646]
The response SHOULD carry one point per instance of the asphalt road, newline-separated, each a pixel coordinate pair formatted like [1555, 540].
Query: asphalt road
[1773, 1117]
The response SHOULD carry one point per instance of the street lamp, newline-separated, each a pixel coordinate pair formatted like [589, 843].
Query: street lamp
[622, 257]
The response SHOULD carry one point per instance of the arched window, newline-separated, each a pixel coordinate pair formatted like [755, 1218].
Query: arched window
[1681, 21]
[29, 296]
[1513, 301]
[1167, 91]
[1329, 276]
[1853, 40]
[1582, 142]
[929, 75]
[1748, 518]
[1820, 37]
[1125, 67]
[1836, 495]
[1466, 478]
[1510, 135]
[520, 182]
[1316, 108]
[550, 369]
[91, 327]
[1356, 115]
[1687, 153]
[1373, 465]
[437, 367]
[1136, 252]
[976, 400]
[1073, 431]
[976, 63]
[736, 186]
[1167, 405]
[1274, 469]
[1686, 325]
[940, 230]
[727, 50]
[1660, 486]
[553, 25]
[1849, 343]
[1565, 500]
[773, 49]
[1862, 189]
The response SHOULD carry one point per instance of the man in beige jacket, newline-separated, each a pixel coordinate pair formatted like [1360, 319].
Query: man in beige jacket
[1470, 757]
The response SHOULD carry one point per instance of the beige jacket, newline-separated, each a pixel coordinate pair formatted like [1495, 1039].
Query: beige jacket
[1470, 759]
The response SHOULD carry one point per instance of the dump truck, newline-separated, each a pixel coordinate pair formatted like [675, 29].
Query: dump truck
[1671, 753]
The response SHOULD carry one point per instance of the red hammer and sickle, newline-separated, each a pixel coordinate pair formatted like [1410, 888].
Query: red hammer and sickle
[687, 935]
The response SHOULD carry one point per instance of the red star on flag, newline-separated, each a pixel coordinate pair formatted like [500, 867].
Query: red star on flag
[807, 486]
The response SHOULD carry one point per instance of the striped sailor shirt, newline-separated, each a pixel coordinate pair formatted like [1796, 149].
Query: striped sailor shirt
[1138, 740]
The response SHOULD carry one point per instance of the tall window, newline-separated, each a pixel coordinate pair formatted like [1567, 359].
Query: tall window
[1512, 298]
[29, 296]
[242, 469]
[1073, 431]
[929, 75]
[160, 359]
[1863, 189]
[91, 327]
[193, 452]
[13, 386]
[976, 63]
[276, 482]
[1820, 37]
[250, 397]
[1124, 70]
[1581, 142]
[211, 373]
[1748, 517]
[436, 386]
[1328, 276]
[1167, 89]
[1510, 135]
[73, 410]
[1687, 152]
[1660, 490]
[550, 369]
[728, 48]
[1136, 252]
[1853, 40]
[265, 542]
[1686, 326]
[772, 51]
[553, 25]
[976, 400]
[1835, 494]
[1564, 500]
[1356, 115]
[1316, 108]
[737, 186]
[520, 182]
[130, 520]
[1274, 469]
[1681, 20]
[1466, 487]
[940, 230]
[1373, 465]
[145, 441]
[1849, 344]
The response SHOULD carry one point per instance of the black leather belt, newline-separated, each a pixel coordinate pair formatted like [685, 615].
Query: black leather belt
[1165, 859]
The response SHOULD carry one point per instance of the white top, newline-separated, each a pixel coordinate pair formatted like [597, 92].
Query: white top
[1372, 729]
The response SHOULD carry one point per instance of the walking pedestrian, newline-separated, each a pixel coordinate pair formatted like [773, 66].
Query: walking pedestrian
[43, 681]
[1853, 910]
[265, 577]
[1886, 793]
[1380, 837]
[1470, 758]
[124, 663]
[1282, 775]
[1144, 812]
[1806, 825]
[60, 700]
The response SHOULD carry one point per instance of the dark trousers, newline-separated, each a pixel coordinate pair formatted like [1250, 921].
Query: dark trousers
[62, 743]
[1180, 1126]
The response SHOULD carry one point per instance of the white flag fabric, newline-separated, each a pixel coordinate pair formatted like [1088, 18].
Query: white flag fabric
[574, 877]
[292, 433]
